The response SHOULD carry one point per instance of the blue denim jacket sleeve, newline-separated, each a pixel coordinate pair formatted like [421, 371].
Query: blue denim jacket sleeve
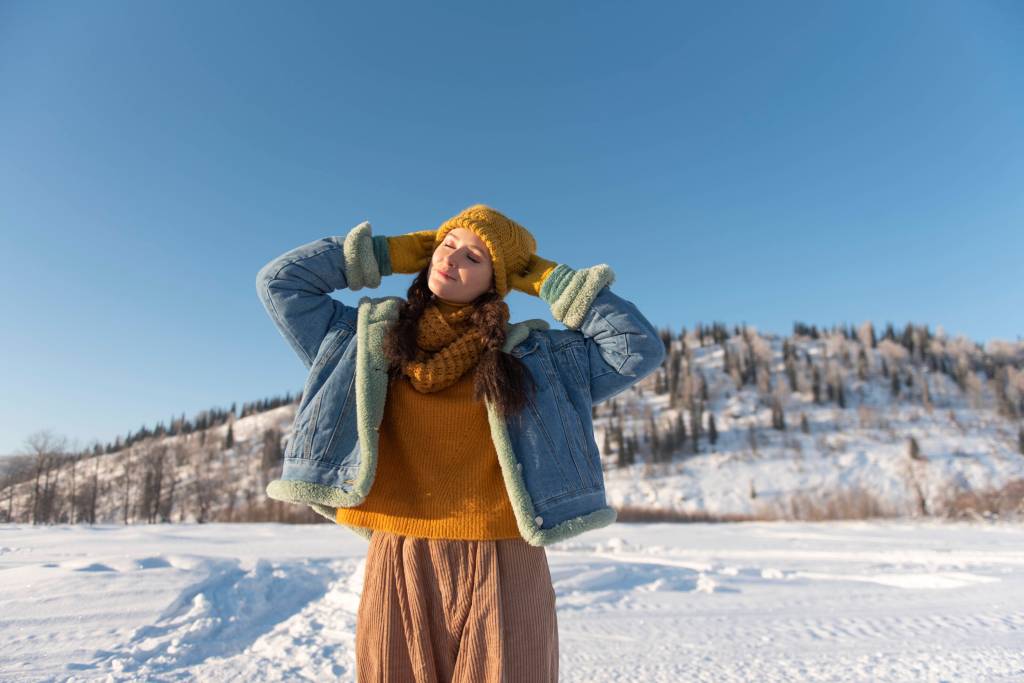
[622, 346]
[294, 287]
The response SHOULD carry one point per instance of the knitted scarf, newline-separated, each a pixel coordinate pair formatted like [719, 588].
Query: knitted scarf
[448, 346]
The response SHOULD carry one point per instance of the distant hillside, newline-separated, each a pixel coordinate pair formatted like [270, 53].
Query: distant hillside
[734, 425]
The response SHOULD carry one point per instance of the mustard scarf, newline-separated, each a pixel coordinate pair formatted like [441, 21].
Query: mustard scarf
[448, 344]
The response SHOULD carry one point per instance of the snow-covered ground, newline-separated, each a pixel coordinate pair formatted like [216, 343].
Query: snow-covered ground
[753, 601]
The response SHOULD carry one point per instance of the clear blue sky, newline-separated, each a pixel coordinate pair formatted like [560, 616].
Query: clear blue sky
[762, 162]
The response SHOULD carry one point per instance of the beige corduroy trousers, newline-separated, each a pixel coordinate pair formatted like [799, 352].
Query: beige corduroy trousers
[456, 611]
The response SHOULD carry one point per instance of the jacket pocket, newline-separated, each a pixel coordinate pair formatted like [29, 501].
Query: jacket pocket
[557, 419]
[343, 436]
[334, 420]
[576, 436]
[299, 443]
[319, 402]
[574, 399]
[544, 467]
[588, 447]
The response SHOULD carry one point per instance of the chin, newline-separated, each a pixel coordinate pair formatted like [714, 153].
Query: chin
[440, 291]
[443, 294]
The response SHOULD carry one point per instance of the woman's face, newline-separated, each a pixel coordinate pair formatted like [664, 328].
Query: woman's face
[464, 257]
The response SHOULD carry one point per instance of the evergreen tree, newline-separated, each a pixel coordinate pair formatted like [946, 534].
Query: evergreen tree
[696, 409]
[623, 445]
[272, 453]
[778, 419]
[656, 451]
[915, 450]
[791, 373]
[680, 430]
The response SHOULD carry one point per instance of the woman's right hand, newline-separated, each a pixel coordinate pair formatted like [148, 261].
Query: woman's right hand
[411, 252]
[532, 278]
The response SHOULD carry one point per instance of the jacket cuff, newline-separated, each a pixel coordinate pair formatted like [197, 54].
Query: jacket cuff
[382, 252]
[533, 282]
[361, 265]
[570, 292]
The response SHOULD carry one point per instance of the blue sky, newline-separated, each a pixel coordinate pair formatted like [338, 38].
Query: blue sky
[741, 162]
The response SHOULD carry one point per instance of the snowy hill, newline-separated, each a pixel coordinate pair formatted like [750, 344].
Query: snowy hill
[734, 425]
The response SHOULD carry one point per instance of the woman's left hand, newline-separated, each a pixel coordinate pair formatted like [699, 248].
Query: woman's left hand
[532, 279]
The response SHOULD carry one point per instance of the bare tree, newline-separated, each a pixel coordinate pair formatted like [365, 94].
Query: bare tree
[152, 482]
[94, 489]
[229, 508]
[43, 446]
[127, 477]
[866, 335]
[894, 354]
[202, 485]
[17, 469]
[763, 356]
[8, 483]
[270, 455]
[175, 459]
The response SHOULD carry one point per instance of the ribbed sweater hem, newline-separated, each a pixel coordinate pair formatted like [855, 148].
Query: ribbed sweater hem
[452, 528]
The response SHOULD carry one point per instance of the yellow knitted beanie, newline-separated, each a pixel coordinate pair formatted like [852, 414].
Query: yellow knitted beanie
[510, 243]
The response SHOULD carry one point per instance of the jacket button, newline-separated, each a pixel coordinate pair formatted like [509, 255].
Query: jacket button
[519, 466]
[539, 520]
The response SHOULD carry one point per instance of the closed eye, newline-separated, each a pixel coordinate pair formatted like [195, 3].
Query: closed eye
[470, 258]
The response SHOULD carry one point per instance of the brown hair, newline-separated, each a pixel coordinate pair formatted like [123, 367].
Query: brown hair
[499, 376]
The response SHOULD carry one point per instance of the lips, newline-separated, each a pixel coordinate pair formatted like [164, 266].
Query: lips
[446, 275]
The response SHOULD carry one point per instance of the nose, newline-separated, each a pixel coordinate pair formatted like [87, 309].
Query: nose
[449, 261]
[446, 264]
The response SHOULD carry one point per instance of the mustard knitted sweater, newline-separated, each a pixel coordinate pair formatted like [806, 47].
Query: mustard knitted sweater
[437, 473]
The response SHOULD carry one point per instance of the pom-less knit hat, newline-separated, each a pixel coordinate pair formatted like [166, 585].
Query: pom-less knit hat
[510, 243]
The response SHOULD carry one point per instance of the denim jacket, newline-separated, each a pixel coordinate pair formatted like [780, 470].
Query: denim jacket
[548, 455]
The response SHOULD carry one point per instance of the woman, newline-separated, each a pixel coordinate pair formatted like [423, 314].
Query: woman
[457, 443]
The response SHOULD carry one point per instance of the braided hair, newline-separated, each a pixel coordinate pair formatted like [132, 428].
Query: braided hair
[498, 376]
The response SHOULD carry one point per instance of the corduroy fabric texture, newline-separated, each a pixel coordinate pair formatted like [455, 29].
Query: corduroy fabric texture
[438, 611]
[438, 474]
